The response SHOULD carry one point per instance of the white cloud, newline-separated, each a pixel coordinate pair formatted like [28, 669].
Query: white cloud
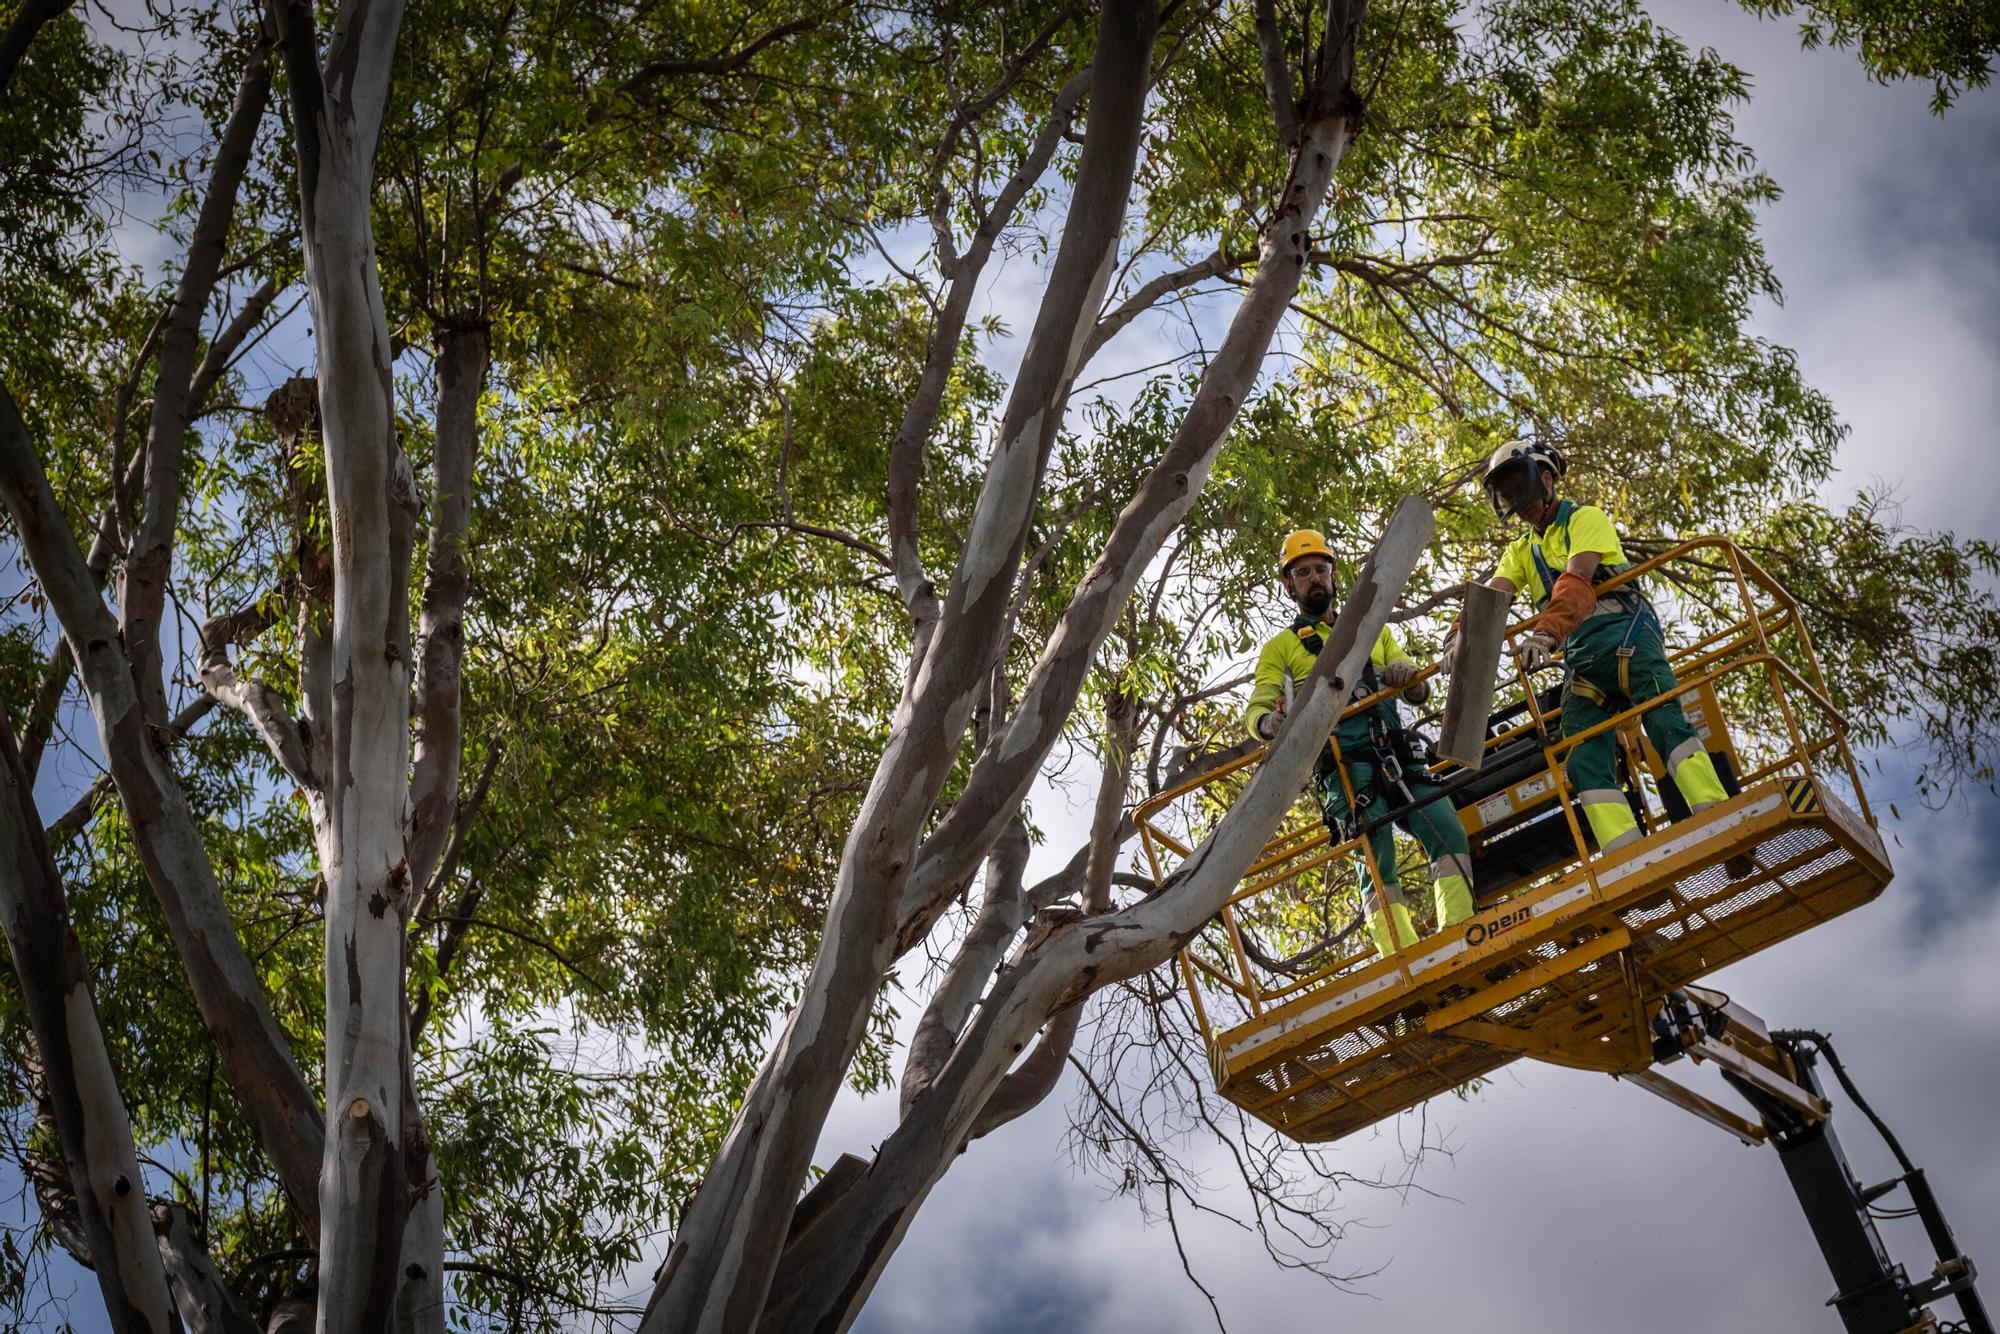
[1884, 240]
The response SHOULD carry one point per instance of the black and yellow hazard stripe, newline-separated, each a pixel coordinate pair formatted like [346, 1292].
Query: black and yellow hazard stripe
[1802, 796]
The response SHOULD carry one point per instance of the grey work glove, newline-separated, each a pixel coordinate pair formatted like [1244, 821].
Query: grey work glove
[1267, 726]
[1399, 673]
[1535, 652]
[1448, 655]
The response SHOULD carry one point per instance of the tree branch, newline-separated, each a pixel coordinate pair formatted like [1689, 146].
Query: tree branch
[1149, 295]
[298, 41]
[288, 743]
[254, 1051]
[113, 519]
[222, 348]
[1000, 779]
[20, 34]
[1277, 73]
[81, 1088]
[526, 938]
[80, 811]
[963, 118]
[462, 820]
[848, 540]
[1037, 1077]
[1001, 912]
[463, 356]
[456, 924]
[913, 433]
[712, 66]
[1024, 1087]
[142, 585]
[460, 917]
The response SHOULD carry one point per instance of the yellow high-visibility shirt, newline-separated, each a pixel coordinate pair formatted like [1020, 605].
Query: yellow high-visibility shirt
[1285, 656]
[1587, 528]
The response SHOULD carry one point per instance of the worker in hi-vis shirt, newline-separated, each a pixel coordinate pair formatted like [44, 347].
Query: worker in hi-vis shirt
[1374, 750]
[1611, 643]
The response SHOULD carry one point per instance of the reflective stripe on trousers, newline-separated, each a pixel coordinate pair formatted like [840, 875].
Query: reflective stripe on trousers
[1610, 815]
[1434, 824]
[1451, 887]
[1601, 681]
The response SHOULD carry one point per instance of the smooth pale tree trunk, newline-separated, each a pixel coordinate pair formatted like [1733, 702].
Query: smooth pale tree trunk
[723, 1257]
[855, 1237]
[364, 1189]
[825, 1283]
[81, 1086]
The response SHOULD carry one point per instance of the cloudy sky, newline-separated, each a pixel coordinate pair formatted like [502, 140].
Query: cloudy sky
[1569, 1201]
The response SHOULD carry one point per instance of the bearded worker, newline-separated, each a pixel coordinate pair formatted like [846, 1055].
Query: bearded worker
[1370, 748]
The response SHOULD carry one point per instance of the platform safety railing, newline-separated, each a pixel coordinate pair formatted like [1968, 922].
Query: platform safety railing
[1759, 656]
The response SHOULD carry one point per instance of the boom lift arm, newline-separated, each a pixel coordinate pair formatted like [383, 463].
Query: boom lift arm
[1776, 1073]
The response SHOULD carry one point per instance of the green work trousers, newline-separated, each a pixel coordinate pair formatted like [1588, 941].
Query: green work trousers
[1433, 823]
[1603, 682]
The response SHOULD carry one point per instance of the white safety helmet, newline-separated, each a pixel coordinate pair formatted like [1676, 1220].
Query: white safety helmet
[1522, 456]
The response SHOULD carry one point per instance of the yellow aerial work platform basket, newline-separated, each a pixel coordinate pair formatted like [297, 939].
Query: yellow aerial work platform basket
[1570, 953]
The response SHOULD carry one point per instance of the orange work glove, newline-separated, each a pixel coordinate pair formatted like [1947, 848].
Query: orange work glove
[1570, 602]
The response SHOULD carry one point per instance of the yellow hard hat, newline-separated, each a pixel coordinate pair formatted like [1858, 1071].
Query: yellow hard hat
[1304, 542]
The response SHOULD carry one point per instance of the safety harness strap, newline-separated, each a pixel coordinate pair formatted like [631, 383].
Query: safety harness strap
[1307, 630]
[1386, 765]
[1629, 596]
[1561, 521]
[1635, 604]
